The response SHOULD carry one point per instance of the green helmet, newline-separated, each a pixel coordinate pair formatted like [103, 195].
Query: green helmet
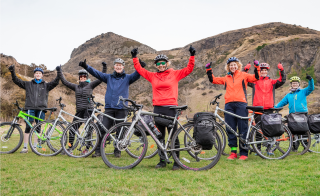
[294, 79]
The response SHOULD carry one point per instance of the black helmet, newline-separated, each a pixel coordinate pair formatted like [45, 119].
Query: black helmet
[83, 72]
[161, 57]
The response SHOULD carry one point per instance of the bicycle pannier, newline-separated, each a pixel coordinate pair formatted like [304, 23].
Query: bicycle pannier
[298, 123]
[203, 131]
[147, 119]
[314, 123]
[271, 125]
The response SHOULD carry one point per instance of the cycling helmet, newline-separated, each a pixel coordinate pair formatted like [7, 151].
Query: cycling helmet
[264, 66]
[118, 60]
[38, 69]
[161, 57]
[83, 72]
[295, 79]
[232, 59]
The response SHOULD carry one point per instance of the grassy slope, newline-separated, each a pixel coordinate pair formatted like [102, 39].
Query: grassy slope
[29, 174]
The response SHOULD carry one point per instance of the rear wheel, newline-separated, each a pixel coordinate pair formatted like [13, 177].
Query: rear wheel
[11, 138]
[301, 144]
[315, 142]
[271, 147]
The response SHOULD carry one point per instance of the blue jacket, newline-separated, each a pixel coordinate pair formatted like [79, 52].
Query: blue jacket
[116, 86]
[297, 100]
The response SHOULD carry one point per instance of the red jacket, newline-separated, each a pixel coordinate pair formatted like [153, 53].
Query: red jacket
[263, 91]
[164, 84]
[235, 85]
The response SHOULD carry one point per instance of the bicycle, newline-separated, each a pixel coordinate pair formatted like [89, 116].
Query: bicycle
[192, 155]
[45, 141]
[11, 133]
[265, 147]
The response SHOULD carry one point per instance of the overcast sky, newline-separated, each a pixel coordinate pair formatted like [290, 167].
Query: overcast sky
[46, 31]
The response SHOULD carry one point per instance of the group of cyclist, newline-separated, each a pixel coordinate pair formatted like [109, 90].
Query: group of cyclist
[165, 93]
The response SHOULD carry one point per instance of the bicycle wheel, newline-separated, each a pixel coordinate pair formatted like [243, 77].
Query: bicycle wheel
[11, 138]
[78, 141]
[152, 147]
[191, 155]
[44, 138]
[271, 147]
[114, 140]
[301, 144]
[315, 142]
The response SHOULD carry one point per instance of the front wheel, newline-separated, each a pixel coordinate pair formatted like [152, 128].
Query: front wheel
[271, 147]
[301, 144]
[315, 143]
[116, 150]
[11, 137]
[190, 155]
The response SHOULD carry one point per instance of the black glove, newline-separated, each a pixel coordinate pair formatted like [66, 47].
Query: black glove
[134, 52]
[11, 68]
[104, 64]
[83, 64]
[192, 51]
[143, 64]
[309, 77]
[58, 68]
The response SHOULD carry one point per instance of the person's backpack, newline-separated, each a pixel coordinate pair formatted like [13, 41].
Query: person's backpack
[271, 125]
[204, 129]
[314, 123]
[147, 119]
[298, 123]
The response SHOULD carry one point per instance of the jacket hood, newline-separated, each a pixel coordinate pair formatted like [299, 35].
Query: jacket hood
[34, 80]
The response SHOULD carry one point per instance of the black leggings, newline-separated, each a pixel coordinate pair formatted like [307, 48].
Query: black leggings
[80, 114]
[168, 112]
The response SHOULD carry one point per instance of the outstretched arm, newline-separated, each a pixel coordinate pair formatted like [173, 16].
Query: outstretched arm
[283, 102]
[187, 70]
[15, 79]
[143, 72]
[95, 83]
[64, 81]
[281, 80]
[51, 85]
[310, 87]
[213, 79]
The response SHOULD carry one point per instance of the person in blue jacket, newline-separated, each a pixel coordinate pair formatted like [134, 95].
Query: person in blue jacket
[297, 99]
[117, 85]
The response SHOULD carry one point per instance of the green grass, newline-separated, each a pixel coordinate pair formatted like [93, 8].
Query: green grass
[29, 174]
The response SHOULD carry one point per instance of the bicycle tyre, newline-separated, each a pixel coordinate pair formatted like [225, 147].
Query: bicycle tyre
[153, 148]
[4, 141]
[207, 163]
[315, 143]
[109, 159]
[271, 146]
[38, 146]
[77, 148]
[304, 145]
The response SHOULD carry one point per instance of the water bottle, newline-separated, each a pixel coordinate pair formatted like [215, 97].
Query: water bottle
[155, 130]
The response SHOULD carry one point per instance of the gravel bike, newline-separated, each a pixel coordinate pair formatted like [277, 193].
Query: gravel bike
[181, 145]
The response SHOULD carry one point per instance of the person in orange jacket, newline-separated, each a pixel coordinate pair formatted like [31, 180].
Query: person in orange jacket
[235, 83]
[164, 91]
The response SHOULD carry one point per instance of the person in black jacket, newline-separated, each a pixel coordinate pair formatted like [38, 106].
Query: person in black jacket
[83, 92]
[36, 97]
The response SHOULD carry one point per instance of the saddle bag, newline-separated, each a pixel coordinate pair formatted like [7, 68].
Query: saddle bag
[271, 125]
[314, 123]
[204, 129]
[298, 123]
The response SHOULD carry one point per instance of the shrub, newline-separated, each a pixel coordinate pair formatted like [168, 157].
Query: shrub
[260, 47]
[251, 40]
[211, 91]
[204, 93]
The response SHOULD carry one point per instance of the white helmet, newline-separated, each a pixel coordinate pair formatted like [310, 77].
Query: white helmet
[118, 60]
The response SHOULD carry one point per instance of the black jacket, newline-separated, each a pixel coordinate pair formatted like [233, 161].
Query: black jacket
[36, 94]
[83, 91]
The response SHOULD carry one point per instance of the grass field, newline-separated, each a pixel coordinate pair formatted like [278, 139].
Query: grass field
[29, 174]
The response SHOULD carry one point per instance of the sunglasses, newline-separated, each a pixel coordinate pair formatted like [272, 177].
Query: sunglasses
[160, 63]
[82, 76]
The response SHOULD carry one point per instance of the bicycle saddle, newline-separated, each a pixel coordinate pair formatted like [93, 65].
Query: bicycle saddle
[276, 109]
[184, 107]
[50, 109]
[255, 108]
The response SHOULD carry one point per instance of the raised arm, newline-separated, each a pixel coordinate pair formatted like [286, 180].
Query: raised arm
[212, 78]
[310, 87]
[143, 72]
[187, 70]
[15, 79]
[64, 81]
[95, 83]
[51, 85]
[101, 76]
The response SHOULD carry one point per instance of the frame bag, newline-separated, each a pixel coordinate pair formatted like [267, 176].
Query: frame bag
[147, 119]
[204, 129]
[271, 125]
[298, 123]
[314, 123]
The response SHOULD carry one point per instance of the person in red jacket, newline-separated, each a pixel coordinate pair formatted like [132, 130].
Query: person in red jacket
[235, 83]
[263, 91]
[164, 90]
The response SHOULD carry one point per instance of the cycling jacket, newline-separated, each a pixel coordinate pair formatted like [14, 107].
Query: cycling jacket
[297, 100]
[164, 84]
[235, 84]
[36, 94]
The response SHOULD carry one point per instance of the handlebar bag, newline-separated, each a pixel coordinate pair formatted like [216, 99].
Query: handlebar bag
[204, 129]
[314, 123]
[298, 123]
[271, 125]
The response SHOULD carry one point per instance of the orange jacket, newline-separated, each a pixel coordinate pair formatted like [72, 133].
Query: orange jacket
[164, 84]
[235, 85]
